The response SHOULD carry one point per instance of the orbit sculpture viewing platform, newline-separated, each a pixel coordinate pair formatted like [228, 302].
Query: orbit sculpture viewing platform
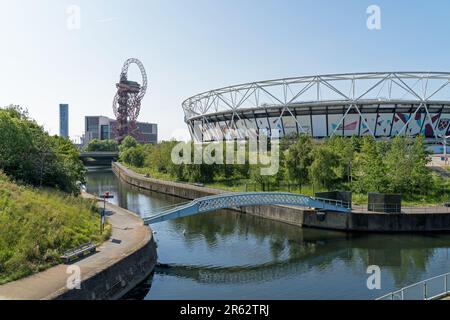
[236, 200]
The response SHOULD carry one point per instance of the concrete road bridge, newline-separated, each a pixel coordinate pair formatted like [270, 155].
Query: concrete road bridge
[245, 199]
[98, 158]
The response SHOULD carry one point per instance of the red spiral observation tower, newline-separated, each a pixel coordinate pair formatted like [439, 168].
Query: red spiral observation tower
[127, 101]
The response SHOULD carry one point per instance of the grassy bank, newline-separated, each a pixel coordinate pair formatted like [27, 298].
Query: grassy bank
[38, 225]
[305, 165]
[437, 196]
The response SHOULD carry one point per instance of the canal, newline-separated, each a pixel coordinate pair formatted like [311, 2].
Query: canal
[227, 255]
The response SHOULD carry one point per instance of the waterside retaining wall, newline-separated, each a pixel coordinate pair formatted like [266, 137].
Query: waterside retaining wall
[353, 221]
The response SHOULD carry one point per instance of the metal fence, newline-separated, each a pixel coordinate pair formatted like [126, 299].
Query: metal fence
[274, 186]
[153, 211]
[387, 208]
[373, 208]
[334, 202]
[430, 289]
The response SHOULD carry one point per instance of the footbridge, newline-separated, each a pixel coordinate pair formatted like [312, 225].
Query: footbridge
[246, 199]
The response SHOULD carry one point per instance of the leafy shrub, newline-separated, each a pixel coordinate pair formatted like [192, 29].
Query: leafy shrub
[30, 155]
[102, 145]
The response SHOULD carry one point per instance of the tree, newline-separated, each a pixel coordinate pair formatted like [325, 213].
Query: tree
[134, 156]
[128, 142]
[177, 171]
[370, 171]
[234, 171]
[16, 147]
[263, 180]
[299, 159]
[138, 156]
[398, 165]
[199, 173]
[159, 157]
[102, 145]
[421, 179]
[71, 169]
[130, 152]
[43, 147]
[322, 169]
[30, 155]
[345, 149]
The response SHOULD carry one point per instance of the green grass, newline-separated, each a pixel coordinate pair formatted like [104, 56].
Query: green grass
[37, 226]
[151, 173]
[437, 196]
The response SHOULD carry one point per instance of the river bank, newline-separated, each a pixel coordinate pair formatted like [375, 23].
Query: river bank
[354, 221]
[118, 266]
[231, 255]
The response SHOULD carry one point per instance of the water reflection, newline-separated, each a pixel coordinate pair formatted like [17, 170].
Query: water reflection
[292, 248]
[228, 255]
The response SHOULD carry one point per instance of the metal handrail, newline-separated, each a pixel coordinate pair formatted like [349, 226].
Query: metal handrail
[396, 208]
[337, 203]
[164, 208]
[425, 284]
[213, 202]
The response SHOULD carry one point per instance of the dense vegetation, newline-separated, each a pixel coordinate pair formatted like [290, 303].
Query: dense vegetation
[359, 164]
[102, 145]
[38, 225]
[41, 214]
[30, 155]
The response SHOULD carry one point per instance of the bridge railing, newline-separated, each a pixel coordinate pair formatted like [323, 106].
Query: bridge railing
[333, 202]
[164, 208]
[233, 200]
[429, 289]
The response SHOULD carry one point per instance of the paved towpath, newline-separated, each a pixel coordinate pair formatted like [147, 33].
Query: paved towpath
[128, 235]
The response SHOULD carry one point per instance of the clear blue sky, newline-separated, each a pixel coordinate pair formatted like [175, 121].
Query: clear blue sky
[189, 46]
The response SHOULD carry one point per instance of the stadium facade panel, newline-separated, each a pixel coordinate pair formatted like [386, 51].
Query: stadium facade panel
[379, 104]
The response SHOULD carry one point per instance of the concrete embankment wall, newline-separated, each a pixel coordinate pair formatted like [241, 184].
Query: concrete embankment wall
[124, 268]
[354, 221]
[117, 280]
[118, 265]
[181, 190]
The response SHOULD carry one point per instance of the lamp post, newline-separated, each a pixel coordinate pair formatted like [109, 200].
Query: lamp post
[105, 196]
